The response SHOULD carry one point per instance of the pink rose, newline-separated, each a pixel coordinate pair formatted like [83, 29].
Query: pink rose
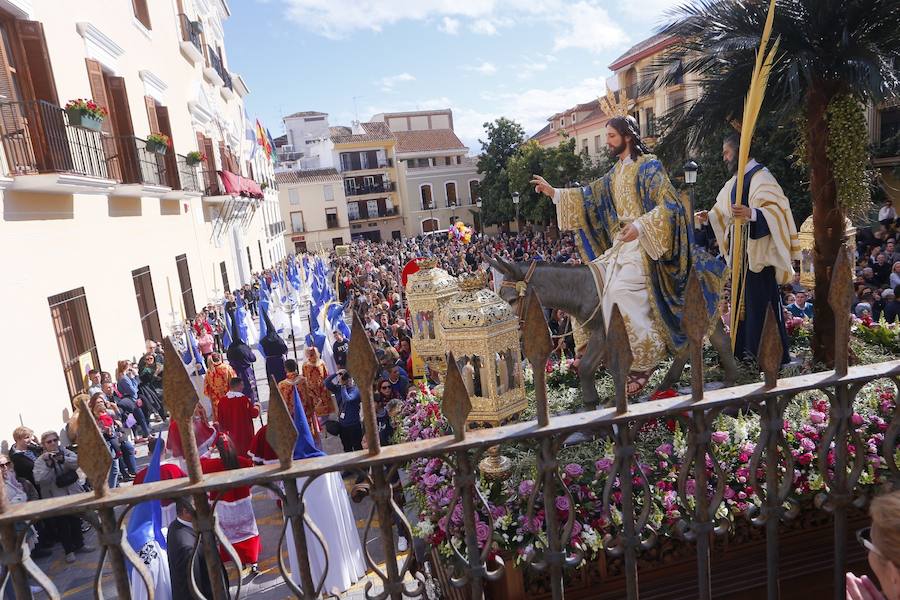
[573, 470]
[729, 493]
[720, 437]
[856, 419]
[604, 464]
[816, 417]
[807, 444]
[805, 459]
[562, 503]
[664, 449]
[483, 531]
[526, 487]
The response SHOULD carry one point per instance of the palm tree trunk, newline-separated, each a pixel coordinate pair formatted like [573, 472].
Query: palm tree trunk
[828, 219]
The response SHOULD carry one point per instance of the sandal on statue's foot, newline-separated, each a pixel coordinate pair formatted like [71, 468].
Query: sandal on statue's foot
[637, 381]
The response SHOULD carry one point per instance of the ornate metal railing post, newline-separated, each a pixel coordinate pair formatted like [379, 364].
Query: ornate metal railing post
[95, 460]
[364, 367]
[840, 484]
[181, 400]
[538, 346]
[456, 406]
[773, 447]
[281, 434]
[16, 558]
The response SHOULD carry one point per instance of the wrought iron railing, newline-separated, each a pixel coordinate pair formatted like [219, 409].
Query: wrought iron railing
[131, 163]
[620, 422]
[210, 182]
[216, 63]
[190, 31]
[377, 188]
[187, 175]
[37, 138]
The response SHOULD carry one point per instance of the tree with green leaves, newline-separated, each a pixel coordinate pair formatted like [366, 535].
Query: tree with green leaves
[504, 136]
[561, 165]
[834, 56]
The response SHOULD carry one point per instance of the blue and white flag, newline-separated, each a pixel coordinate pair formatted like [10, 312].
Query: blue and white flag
[226, 335]
[145, 536]
[192, 353]
[305, 446]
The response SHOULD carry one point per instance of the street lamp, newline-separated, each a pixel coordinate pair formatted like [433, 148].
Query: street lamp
[290, 306]
[515, 199]
[478, 205]
[690, 178]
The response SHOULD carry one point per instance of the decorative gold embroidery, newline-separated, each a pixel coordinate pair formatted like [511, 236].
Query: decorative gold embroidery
[647, 351]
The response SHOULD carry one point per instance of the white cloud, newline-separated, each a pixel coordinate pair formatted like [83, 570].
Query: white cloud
[388, 83]
[485, 68]
[484, 27]
[594, 30]
[581, 24]
[534, 65]
[450, 26]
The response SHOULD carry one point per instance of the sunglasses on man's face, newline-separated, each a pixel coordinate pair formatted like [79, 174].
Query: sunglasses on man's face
[864, 537]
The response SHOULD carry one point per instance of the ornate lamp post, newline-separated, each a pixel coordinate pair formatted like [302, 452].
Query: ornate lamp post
[483, 333]
[690, 178]
[290, 306]
[478, 205]
[427, 291]
[515, 199]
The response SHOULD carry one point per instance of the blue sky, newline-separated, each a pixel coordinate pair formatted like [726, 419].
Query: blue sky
[482, 58]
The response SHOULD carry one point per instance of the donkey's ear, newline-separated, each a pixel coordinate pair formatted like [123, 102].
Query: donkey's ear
[498, 263]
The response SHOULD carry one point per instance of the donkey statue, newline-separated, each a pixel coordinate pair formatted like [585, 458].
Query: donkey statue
[571, 288]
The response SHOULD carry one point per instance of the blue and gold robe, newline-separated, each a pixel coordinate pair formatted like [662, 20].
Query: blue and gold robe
[648, 277]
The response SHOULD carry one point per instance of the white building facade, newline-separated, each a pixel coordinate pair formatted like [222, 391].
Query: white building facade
[109, 240]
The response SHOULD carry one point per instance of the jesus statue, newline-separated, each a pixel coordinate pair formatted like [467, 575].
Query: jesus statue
[636, 234]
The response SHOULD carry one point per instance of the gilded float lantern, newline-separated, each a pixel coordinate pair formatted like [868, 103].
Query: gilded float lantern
[807, 245]
[482, 331]
[427, 291]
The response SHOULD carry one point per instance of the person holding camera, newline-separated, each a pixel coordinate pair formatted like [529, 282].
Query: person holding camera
[348, 400]
[56, 472]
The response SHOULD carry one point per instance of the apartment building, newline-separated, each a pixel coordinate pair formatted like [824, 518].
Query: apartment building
[108, 239]
[632, 73]
[365, 157]
[438, 180]
[586, 123]
[314, 207]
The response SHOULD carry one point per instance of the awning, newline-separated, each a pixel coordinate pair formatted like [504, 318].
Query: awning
[236, 185]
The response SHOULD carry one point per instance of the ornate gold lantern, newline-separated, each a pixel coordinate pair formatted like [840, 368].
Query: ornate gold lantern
[807, 244]
[483, 333]
[427, 290]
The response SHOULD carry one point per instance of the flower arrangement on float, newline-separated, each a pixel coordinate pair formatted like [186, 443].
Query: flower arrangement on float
[661, 447]
[460, 233]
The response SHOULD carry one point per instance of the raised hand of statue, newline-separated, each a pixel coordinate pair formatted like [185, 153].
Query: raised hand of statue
[702, 217]
[541, 186]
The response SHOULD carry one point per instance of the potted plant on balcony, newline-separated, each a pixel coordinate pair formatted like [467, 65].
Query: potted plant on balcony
[194, 158]
[85, 114]
[157, 143]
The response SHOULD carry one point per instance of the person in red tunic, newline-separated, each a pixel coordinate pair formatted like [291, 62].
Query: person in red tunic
[167, 470]
[236, 414]
[234, 510]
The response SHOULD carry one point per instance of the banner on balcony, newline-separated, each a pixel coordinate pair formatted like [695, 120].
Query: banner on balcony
[236, 185]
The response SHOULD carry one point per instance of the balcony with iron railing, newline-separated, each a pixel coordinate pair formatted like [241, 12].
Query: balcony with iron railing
[378, 188]
[213, 69]
[38, 139]
[132, 164]
[191, 44]
[364, 215]
[187, 175]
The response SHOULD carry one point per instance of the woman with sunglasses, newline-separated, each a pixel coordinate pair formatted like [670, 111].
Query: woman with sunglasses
[56, 472]
[882, 542]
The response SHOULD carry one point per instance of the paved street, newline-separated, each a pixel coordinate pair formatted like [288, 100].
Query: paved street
[75, 581]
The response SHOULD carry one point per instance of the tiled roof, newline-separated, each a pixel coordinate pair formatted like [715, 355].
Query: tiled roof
[280, 141]
[428, 139]
[376, 131]
[660, 39]
[339, 130]
[543, 131]
[307, 113]
[307, 176]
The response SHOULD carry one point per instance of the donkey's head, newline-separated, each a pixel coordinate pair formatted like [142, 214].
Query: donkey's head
[511, 275]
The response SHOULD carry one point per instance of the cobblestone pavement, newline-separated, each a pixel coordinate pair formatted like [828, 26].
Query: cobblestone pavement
[75, 581]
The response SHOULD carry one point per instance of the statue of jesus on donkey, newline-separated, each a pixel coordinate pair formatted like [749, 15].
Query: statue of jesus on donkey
[636, 238]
